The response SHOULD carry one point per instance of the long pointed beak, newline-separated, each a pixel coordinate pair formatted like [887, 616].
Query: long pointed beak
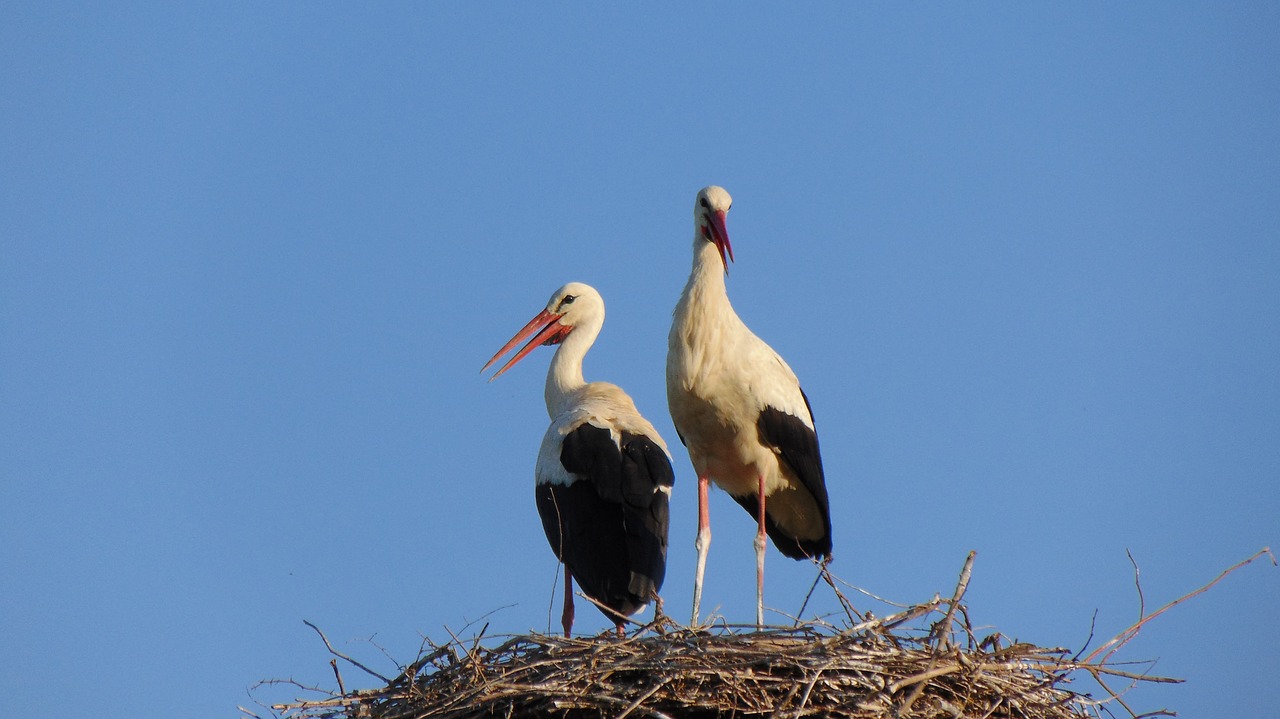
[549, 331]
[720, 236]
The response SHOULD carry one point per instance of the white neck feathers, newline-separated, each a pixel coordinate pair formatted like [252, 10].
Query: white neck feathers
[564, 377]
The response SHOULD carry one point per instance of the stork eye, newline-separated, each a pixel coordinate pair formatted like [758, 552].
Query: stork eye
[703, 201]
[568, 300]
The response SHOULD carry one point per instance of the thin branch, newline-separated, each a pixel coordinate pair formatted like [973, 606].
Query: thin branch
[342, 689]
[804, 699]
[817, 578]
[609, 611]
[832, 578]
[943, 628]
[1137, 583]
[1124, 637]
[1119, 700]
[551, 602]
[641, 699]
[488, 614]
[340, 655]
[384, 652]
[1093, 624]
[852, 613]
[1112, 671]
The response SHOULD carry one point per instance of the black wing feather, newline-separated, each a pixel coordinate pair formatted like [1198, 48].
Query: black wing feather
[610, 526]
[798, 446]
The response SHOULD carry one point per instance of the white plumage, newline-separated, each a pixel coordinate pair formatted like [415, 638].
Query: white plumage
[740, 412]
[603, 476]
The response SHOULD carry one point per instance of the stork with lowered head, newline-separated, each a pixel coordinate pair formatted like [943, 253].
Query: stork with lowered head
[740, 412]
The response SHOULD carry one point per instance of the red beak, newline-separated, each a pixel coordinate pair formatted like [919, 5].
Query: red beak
[720, 236]
[549, 331]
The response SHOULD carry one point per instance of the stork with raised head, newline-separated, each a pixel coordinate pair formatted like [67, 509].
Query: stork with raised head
[603, 477]
[740, 412]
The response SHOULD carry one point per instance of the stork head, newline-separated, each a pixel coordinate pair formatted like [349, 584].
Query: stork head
[709, 212]
[572, 306]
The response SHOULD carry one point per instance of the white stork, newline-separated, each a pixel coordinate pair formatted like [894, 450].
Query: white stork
[603, 477]
[740, 412]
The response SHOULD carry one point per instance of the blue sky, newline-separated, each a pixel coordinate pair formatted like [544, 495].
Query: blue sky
[1023, 258]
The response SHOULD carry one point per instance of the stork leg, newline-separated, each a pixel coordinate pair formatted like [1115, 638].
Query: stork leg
[760, 545]
[566, 619]
[703, 543]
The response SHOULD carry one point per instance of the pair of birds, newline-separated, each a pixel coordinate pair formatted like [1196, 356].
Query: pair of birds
[604, 474]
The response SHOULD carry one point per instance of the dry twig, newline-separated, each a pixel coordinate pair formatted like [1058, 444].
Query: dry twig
[1124, 637]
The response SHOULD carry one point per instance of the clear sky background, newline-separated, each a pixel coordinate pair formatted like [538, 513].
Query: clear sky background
[1024, 258]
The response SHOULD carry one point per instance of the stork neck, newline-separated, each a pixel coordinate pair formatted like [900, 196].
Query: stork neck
[564, 377]
[707, 265]
[706, 280]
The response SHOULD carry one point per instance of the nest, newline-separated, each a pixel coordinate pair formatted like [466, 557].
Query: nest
[681, 672]
[924, 661]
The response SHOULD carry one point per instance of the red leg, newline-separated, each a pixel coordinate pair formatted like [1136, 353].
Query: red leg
[702, 544]
[566, 619]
